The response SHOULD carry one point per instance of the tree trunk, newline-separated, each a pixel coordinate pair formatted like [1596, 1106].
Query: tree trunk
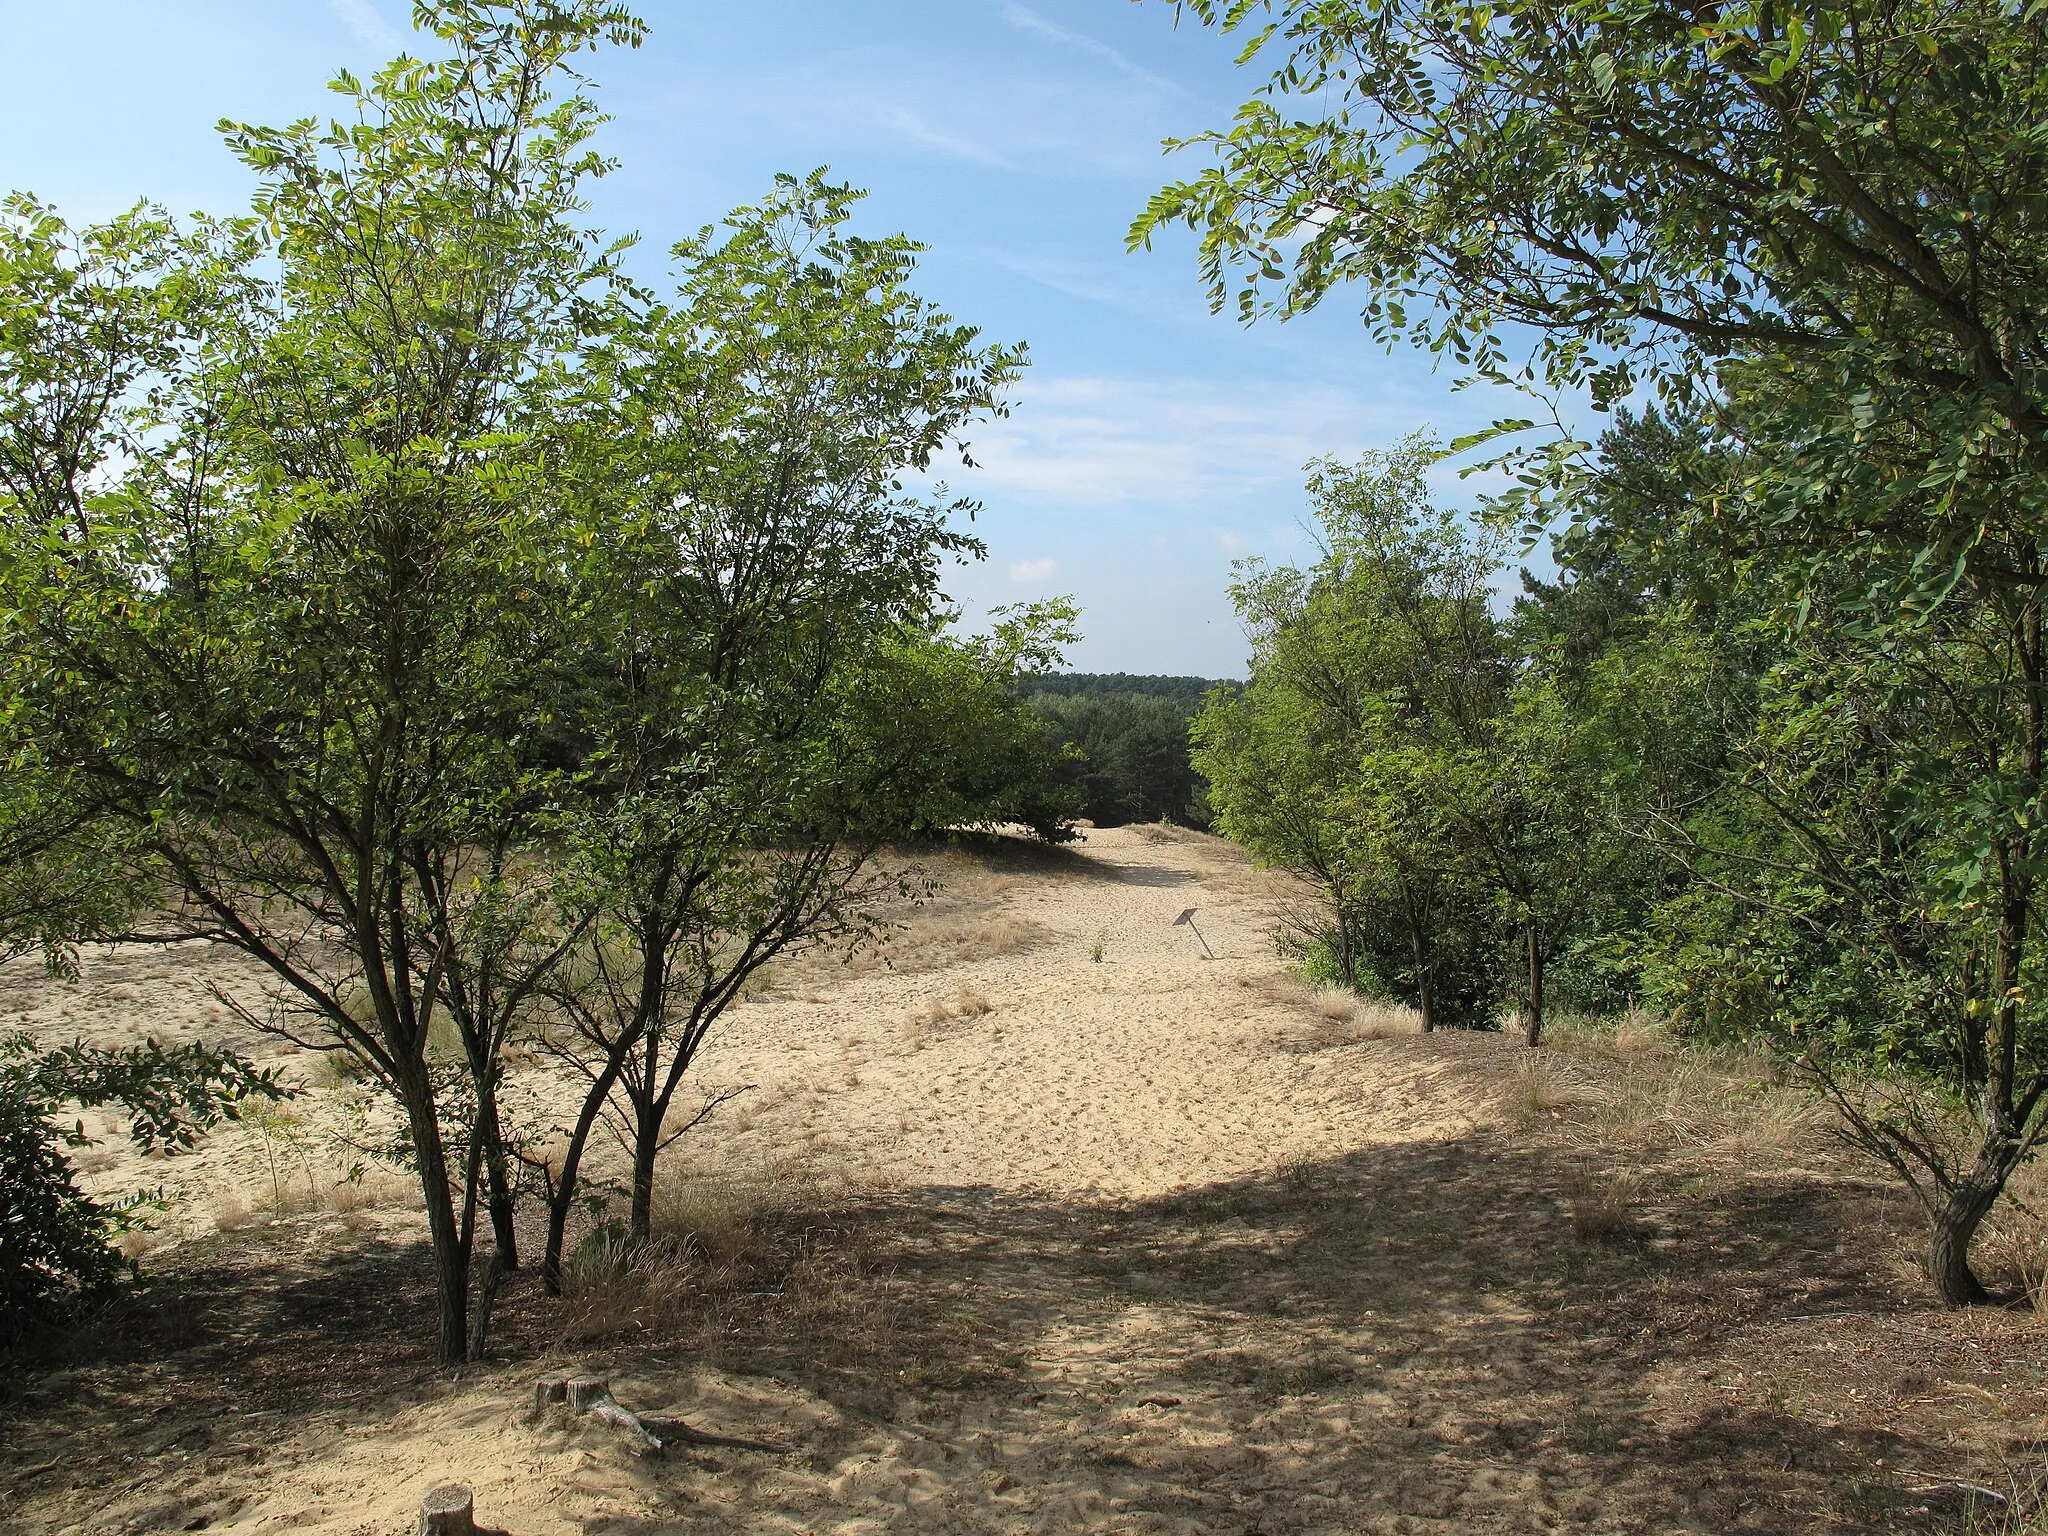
[487, 1297]
[497, 1177]
[1958, 1217]
[451, 1254]
[646, 1145]
[1425, 976]
[563, 1196]
[448, 1510]
[1532, 1007]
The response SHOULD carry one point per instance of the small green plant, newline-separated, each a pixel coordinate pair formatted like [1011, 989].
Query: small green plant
[283, 1136]
[1591, 1432]
[1098, 948]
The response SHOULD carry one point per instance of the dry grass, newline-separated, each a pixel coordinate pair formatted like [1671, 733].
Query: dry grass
[1337, 1005]
[1337, 1016]
[1167, 832]
[715, 1237]
[959, 1005]
[1602, 1205]
[1539, 1089]
[612, 1285]
[1631, 1083]
[376, 1189]
[1383, 1021]
[231, 1213]
[942, 940]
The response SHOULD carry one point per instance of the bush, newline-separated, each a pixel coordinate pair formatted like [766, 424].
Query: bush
[57, 1244]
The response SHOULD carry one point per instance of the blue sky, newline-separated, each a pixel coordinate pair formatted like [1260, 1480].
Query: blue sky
[1151, 443]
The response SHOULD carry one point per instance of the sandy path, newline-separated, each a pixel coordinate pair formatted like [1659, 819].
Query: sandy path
[1150, 1069]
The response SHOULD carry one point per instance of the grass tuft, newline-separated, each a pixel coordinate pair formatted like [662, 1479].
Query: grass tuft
[1602, 1206]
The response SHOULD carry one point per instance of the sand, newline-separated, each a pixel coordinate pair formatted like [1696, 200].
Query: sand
[1123, 1237]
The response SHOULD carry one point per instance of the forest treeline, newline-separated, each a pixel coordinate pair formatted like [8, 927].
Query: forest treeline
[1121, 744]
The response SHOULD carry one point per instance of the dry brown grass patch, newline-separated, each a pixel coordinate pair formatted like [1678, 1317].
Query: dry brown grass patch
[1538, 1089]
[962, 1004]
[1633, 1083]
[1336, 1005]
[1383, 1021]
[1601, 1205]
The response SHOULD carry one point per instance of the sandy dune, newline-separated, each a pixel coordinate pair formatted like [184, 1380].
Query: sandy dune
[1142, 1243]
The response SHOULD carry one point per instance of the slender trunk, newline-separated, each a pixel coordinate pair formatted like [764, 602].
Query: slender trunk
[498, 1191]
[486, 1299]
[1532, 1007]
[1347, 962]
[646, 1146]
[451, 1254]
[562, 1198]
[1424, 981]
[1970, 1027]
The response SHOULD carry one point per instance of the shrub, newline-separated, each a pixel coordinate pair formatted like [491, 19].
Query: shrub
[58, 1246]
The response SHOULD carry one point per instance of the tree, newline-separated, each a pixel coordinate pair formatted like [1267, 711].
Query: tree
[1133, 762]
[292, 630]
[1813, 221]
[1375, 675]
[763, 597]
[85, 321]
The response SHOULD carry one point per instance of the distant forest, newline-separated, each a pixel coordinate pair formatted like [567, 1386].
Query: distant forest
[1131, 734]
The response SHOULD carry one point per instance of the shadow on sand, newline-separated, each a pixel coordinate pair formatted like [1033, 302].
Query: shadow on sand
[1403, 1340]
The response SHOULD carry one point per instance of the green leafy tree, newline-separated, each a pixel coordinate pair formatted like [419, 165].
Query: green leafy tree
[1815, 221]
[763, 595]
[1133, 762]
[290, 631]
[1347, 757]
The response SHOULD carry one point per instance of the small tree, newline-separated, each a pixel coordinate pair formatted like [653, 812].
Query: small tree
[56, 1242]
[759, 586]
[291, 631]
[1370, 672]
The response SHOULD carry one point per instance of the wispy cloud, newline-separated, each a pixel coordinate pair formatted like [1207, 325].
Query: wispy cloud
[908, 124]
[365, 21]
[1120, 284]
[1033, 570]
[1025, 19]
[1107, 446]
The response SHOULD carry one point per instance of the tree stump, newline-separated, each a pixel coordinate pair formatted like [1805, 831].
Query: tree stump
[583, 1391]
[448, 1510]
[550, 1389]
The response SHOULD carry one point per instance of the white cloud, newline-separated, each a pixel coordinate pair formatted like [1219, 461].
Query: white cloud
[1111, 445]
[1033, 570]
[1119, 284]
[1025, 19]
[364, 20]
[1026, 113]
[1232, 543]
